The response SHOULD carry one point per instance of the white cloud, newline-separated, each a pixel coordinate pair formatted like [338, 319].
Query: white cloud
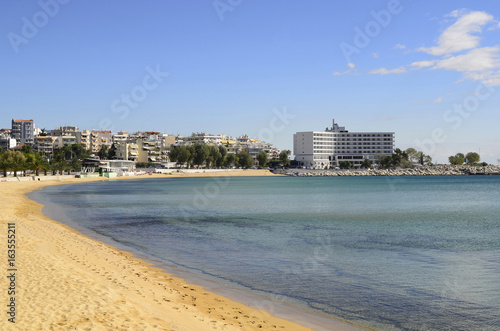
[352, 67]
[384, 71]
[438, 100]
[492, 79]
[459, 36]
[477, 60]
[457, 49]
[375, 55]
[423, 64]
[456, 13]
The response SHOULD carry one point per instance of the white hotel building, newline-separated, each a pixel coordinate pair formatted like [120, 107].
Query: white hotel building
[321, 149]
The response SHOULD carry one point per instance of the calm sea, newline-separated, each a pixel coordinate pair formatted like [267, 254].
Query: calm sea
[410, 253]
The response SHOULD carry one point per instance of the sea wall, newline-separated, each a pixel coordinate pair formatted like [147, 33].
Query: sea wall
[443, 170]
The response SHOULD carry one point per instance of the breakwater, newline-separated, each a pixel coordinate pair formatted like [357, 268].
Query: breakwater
[441, 170]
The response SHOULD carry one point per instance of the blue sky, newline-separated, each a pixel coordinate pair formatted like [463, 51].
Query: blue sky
[427, 70]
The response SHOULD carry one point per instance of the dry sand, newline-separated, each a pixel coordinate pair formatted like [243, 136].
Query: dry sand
[67, 281]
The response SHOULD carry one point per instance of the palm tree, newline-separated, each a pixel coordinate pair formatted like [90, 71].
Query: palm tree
[36, 164]
[18, 162]
[59, 166]
[75, 164]
[5, 162]
[45, 166]
[28, 164]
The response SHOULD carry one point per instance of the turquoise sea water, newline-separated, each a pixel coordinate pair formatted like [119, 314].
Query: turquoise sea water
[410, 253]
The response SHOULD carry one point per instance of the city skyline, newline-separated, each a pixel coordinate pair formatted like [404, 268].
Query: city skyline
[427, 71]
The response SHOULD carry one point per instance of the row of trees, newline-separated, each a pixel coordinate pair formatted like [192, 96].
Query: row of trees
[66, 158]
[403, 159]
[283, 159]
[470, 158]
[70, 158]
[201, 154]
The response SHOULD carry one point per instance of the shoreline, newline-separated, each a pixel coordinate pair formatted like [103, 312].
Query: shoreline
[66, 279]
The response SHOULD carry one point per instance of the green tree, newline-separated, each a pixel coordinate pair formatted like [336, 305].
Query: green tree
[457, 159]
[201, 154]
[399, 158]
[173, 153]
[6, 162]
[184, 155]
[283, 158]
[75, 164]
[424, 159]
[18, 162]
[222, 159]
[412, 154]
[36, 163]
[345, 165]
[103, 152]
[366, 163]
[59, 166]
[262, 158]
[79, 151]
[26, 149]
[112, 152]
[472, 158]
[231, 160]
[45, 166]
[30, 160]
[384, 161]
[213, 156]
[245, 160]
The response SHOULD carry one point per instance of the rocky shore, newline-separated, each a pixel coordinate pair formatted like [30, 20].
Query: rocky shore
[442, 170]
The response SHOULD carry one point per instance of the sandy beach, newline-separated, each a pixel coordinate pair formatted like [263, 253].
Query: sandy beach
[64, 280]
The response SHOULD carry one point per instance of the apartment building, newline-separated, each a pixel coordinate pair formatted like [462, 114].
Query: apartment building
[150, 149]
[84, 138]
[64, 140]
[99, 138]
[324, 149]
[45, 145]
[23, 131]
[65, 131]
[205, 138]
[6, 141]
[127, 151]
[64, 135]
